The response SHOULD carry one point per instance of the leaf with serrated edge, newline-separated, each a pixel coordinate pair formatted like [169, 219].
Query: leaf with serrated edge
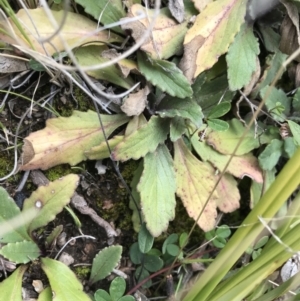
[109, 11]
[164, 75]
[229, 199]
[91, 55]
[11, 287]
[50, 200]
[144, 140]
[166, 35]
[239, 166]
[158, 199]
[20, 252]
[225, 142]
[185, 108]
[195, 181]
[8, 210]
[77, 30]
[104, 262]
[64, 284]
[65, 139]
[241, 57]
[211, 35]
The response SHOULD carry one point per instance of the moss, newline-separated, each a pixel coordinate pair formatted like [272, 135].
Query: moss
[6, 165]
[82, 272]
[84, 103]
[59, 171]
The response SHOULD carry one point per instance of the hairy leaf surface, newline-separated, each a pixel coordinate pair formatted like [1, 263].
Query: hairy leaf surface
[158, 199]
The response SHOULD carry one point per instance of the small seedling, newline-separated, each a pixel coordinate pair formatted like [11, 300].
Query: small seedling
[257, 248]
[218, 236]
[116, 292]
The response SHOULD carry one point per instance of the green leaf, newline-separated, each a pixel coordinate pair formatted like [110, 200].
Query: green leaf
[145, 239]
[135, 254]
[164, 75]
[64, 284]
[271, 154]
[295, 129]
[91, 55]
[104, 262]
[225, 142]
[117, 288]
[289, 146]
[223, 231]
[241, 57]
[177, 128]
[45, 295]
[277, 103]
[144, 140]
[102, 295]
[171, 239]
[8, 210]
[219, 110]
[11, 287]
[35, 65]
[211, 92]
[153, 263]
[273, 64]
[50, 200]
[173, 250]
[106, 12]
[219, 242]
[185, 108]
[183, 239]
[218, 125]
[143, 274]
[127, 298]
[20, 252]
[158, 199]
[261, 242]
